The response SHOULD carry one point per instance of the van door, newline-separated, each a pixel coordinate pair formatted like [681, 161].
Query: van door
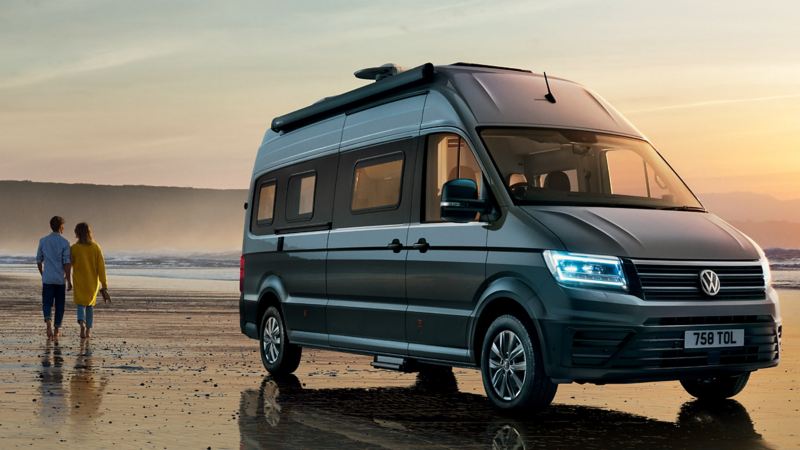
[446, 262]
[366, 248]
[303, 222]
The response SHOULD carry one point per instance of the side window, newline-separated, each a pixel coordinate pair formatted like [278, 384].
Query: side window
[266, 203]
[377, 183]
[447, 157]
[300, 197]
[372, 186]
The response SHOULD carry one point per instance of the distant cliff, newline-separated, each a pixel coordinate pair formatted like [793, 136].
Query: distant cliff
[771, 222]
[170, 219]
[124, 218]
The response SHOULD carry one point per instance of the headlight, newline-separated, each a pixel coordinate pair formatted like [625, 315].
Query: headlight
[586, 270]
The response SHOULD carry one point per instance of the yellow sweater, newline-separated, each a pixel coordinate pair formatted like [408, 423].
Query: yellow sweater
[88, 273]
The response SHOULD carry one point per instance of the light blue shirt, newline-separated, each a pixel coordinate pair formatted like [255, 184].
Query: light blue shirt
[54, 253]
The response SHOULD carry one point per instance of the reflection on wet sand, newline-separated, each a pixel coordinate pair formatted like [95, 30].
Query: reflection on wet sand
[51, 387]
[433, 414]
[86, 388]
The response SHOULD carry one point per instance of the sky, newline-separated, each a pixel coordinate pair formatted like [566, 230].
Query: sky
[179, 93]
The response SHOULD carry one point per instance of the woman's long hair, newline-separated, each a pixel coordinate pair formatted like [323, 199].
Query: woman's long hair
[84, 233]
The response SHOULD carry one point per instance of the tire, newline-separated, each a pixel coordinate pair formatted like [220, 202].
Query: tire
[513, 376]
[278, 355]
[715, 388]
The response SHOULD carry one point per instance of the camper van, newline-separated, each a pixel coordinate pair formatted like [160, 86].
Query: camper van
[489, 217]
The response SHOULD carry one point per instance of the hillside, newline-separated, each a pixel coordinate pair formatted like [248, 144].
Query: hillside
[752, 207]
[170, 219]
[124, 218]
[771, 222]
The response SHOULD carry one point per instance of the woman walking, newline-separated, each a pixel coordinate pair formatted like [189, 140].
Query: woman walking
[88, 274]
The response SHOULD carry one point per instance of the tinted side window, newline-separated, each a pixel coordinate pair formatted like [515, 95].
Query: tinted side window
[447, 157]
[266, 203]
[300, 197]
[377, 182]
[374, 184]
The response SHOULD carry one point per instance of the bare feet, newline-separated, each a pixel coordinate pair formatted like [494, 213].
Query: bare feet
[49, 330]
[88, 333]
[83, 330]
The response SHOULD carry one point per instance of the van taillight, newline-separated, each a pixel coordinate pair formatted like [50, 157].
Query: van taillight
[241, 274]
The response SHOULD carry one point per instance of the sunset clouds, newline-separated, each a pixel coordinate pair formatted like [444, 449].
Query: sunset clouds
[180, 93]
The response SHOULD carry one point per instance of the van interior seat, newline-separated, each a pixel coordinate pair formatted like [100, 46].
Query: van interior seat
[557, 181]
[518, 184]
[516, 179]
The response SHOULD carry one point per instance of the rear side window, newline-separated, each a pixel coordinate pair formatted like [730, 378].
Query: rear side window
[266, 203]
[300, 196]
[377, 183]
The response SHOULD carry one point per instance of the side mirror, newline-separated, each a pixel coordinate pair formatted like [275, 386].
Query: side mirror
[460, 202]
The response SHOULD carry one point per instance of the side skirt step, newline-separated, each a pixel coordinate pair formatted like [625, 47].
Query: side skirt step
[394, 363]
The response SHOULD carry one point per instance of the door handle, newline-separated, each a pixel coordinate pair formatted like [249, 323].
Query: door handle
[421, 245]
[395, 246]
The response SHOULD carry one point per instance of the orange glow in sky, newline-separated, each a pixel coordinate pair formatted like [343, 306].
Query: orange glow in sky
[122, 93]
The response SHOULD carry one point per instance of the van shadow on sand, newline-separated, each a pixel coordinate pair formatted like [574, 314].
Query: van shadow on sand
[433, 414]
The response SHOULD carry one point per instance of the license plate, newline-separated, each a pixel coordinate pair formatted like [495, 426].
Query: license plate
[713, 338]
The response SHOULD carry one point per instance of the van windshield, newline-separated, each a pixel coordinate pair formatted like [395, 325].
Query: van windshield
[549, 166]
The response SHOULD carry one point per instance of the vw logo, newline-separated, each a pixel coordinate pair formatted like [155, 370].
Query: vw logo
[709, 282]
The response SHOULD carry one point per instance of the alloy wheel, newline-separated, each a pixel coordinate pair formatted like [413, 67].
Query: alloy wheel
[507, 365]
[271, 340]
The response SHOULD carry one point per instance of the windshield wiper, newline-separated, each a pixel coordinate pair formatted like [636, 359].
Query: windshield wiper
[683, 208]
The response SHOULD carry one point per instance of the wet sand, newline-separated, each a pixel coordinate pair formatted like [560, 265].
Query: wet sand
[167, 368]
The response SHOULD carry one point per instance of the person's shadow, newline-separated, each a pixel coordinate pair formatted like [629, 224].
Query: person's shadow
[51, 386]
[86, 388]
[432, 413]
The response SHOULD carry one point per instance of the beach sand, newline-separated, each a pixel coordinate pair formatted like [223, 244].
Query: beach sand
[168, 368]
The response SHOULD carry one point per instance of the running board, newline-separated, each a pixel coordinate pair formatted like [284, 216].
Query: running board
[393, 363]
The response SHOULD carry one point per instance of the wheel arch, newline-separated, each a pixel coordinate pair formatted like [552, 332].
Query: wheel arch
[506, 295]
[271, 293]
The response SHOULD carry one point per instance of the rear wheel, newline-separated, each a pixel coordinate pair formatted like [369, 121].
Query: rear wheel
[715, 388]
[279, 356]
[512, 367]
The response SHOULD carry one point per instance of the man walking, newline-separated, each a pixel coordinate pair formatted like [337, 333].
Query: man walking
[53, 260]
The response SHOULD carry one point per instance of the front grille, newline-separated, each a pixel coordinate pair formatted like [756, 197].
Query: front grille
[661, 348]
[665, 350]
[593, 348]
[708, 320]
[678, 280]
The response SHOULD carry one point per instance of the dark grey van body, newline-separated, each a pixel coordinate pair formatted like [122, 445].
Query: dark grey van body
[385, 282]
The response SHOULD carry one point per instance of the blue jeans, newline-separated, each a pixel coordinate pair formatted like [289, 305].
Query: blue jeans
[86, 314]
[53, 294]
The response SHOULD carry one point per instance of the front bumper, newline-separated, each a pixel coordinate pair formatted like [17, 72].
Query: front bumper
[618, 338]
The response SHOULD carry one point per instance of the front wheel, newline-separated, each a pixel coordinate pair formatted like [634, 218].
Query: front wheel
[512, 367]
[715, 388]
[278, 355]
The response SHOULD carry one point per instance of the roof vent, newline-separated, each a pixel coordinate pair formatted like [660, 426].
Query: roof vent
[378, 73]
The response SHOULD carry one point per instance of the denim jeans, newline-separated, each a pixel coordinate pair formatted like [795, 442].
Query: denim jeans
[86, 314]
[53, 294]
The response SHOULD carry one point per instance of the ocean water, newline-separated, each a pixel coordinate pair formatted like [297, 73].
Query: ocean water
[224, 268]
[204, 267]
[218, 273]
